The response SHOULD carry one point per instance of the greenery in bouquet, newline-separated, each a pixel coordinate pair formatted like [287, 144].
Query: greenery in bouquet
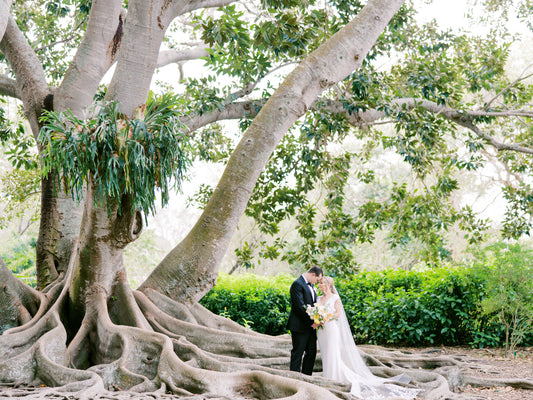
[320, 314]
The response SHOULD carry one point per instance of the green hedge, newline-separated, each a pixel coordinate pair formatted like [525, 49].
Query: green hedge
[261, 303]
[434, 307]
[413, 308]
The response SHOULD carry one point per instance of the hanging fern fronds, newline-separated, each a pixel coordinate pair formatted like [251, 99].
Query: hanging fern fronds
[132, 157]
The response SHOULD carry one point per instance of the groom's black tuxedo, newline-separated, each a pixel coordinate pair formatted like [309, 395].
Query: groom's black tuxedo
[300, 324]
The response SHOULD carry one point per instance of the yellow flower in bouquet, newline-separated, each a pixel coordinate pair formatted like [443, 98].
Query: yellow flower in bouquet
[320, 314]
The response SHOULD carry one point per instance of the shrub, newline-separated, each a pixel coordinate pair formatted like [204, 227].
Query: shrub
[509, 281]
[436, 307]
[412, 308]
[260, 303]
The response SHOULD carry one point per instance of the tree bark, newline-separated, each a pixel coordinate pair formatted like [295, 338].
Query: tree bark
[137, 60]
[5, 6]
[94, 57]
[29, 73]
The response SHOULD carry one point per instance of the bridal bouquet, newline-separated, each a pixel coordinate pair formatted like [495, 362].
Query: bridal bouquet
[320, 314]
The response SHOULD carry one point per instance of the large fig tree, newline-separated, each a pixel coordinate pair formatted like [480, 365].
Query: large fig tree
[107, 153]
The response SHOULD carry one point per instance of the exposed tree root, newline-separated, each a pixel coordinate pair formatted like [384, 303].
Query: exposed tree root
[143, 342]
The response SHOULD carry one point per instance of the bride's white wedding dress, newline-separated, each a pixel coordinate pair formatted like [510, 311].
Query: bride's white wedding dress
[341, 361]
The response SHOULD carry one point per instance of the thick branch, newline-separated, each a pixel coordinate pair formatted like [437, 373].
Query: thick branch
[200, 4]
[5, 5]
[93, 58]
[137, 57]
[30, 78]
[242, 109]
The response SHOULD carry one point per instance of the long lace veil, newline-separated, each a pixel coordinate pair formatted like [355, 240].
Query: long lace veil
[351, 356]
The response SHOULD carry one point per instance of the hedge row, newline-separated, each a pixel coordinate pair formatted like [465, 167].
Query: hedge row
[433, 307]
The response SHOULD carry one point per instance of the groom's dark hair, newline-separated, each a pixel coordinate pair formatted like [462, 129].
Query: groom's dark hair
[315, 270]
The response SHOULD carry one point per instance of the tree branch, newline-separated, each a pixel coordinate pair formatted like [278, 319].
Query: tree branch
[497, 145]
[174, 56]
[94, 57]
[200, 4]
[67, 39]
[5, 6]
[30, 77]
[463, 118]
[249, 109]
[520, 78]
[230, 108]
[8, 87]
[237, 110]
[144, 31]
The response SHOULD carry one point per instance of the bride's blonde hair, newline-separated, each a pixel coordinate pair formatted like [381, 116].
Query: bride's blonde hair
[328, 280]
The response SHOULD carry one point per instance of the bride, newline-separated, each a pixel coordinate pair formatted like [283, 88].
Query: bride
[341, 360]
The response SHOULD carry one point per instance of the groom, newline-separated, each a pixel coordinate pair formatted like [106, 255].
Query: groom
[302, 327]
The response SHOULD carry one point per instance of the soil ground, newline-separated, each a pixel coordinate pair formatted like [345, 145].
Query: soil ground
[485, 363]
[489, 363]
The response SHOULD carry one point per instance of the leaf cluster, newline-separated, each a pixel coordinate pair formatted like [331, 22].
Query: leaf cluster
[54, 28]
[509, 286]
[120, 156]
[518, 218]
[18, 143]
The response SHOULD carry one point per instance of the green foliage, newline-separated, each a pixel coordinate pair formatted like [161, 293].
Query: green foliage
[261, 303]
[519, 212]
[412, 308]
[53, 28]
[20, 185]
[508, 272]
[18, 143]
[19, 257]
[20, 193]
[122, 157]
[395, 307]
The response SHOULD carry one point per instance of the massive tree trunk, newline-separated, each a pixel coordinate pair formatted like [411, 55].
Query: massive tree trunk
[87, 331]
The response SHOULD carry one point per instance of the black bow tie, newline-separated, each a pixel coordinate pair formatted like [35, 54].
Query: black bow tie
[310, 284]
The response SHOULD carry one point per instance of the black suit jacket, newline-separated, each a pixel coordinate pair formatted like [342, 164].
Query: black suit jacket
[299, 320]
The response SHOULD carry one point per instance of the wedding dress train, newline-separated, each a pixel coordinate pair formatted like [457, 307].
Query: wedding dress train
[341, 361]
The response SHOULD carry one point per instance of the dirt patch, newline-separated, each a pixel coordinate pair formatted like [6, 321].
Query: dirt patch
[489, 363]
